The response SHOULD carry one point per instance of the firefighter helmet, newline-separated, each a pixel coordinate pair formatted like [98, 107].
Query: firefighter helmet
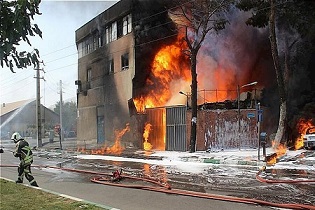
[16, 137]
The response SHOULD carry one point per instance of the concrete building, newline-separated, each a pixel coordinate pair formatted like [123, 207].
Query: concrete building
[20, 116]
[114, 50]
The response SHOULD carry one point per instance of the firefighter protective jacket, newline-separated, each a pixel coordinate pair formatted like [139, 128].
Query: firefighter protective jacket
[24, 152]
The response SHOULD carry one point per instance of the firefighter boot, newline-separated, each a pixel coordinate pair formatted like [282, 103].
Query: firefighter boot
[34, 184]
[19, 181]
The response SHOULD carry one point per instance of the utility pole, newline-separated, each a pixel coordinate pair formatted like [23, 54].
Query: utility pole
[60, 116]
[38, 106]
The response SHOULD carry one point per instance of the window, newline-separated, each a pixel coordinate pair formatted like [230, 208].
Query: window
[127, 24]
[100, 40]
[95, 42]
[125, 61]
[80, 50]
[119, 28]
[114, 31]
[110, 66]
[108, 35]
[88, 79]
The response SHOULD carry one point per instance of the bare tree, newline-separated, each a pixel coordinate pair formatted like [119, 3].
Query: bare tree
[196, 19]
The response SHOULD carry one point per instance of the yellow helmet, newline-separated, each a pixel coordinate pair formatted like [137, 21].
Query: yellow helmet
[16, 137]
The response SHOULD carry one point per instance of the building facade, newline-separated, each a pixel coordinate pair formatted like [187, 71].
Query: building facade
[114, 50]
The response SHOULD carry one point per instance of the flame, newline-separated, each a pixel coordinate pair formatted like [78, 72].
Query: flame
[146, 169]
[280, 150]
[169, 65]
[117, 148]
[302, 126]
[81, 150]
[146, 144]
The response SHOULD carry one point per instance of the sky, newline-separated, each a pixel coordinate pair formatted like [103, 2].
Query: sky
[58, 23]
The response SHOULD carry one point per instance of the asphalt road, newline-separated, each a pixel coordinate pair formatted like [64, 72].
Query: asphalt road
[79, 186]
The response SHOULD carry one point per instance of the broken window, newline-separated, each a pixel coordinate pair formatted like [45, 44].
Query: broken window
[125, 61]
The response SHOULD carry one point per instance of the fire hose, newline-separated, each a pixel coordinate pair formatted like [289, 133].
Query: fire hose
[166, 188]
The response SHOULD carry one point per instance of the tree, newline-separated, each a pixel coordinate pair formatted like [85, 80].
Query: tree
[197, 19]
[288, 24]
[69, 114]
[15, 26]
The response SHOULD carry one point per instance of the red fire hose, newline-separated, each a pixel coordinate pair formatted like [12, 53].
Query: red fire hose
[165, 188]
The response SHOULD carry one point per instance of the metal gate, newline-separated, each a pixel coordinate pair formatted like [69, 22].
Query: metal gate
[168, 128]
[176, 128]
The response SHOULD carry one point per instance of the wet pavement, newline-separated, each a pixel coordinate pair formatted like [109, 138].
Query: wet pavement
[220, 179]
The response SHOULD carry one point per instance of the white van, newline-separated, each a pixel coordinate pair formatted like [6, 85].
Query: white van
[309, 138]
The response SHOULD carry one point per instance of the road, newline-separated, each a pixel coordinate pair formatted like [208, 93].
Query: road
[79, 186]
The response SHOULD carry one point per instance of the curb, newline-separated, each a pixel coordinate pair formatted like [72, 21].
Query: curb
[67, 196]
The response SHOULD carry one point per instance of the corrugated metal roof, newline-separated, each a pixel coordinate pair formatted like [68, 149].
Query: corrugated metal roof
[9, 107]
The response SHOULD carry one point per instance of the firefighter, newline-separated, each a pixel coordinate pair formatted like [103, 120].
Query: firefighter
[24, 152]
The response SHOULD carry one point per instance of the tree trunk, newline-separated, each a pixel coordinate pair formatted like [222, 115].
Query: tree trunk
[193, 135]
[282, 124]
[279, 73]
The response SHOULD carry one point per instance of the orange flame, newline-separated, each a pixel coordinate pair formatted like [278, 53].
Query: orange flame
[280, 150]
[167, 67]
[81, 150]
[146, 144]
[117, 148]
[302, 126]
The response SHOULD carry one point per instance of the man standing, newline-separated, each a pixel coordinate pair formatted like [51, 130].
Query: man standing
[24, 152]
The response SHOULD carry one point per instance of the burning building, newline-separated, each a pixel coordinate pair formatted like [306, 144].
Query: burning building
[132, 70]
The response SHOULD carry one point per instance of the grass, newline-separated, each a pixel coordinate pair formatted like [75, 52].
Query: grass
[16, 196]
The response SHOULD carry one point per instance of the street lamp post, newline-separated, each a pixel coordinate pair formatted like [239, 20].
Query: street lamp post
[239, 109]
[181, 92]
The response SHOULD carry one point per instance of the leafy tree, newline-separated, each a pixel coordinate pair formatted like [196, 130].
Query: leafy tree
[289, 23]
[69, 114]
[198, 19]
[16, 26]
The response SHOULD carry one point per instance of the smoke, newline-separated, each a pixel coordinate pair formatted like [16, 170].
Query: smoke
[241, 54]
[237, 55]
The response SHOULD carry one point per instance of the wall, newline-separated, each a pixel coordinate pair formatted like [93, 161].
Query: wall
[109, 89]
[218, 129]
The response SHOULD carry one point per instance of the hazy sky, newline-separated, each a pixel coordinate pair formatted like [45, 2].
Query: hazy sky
[58, 22]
